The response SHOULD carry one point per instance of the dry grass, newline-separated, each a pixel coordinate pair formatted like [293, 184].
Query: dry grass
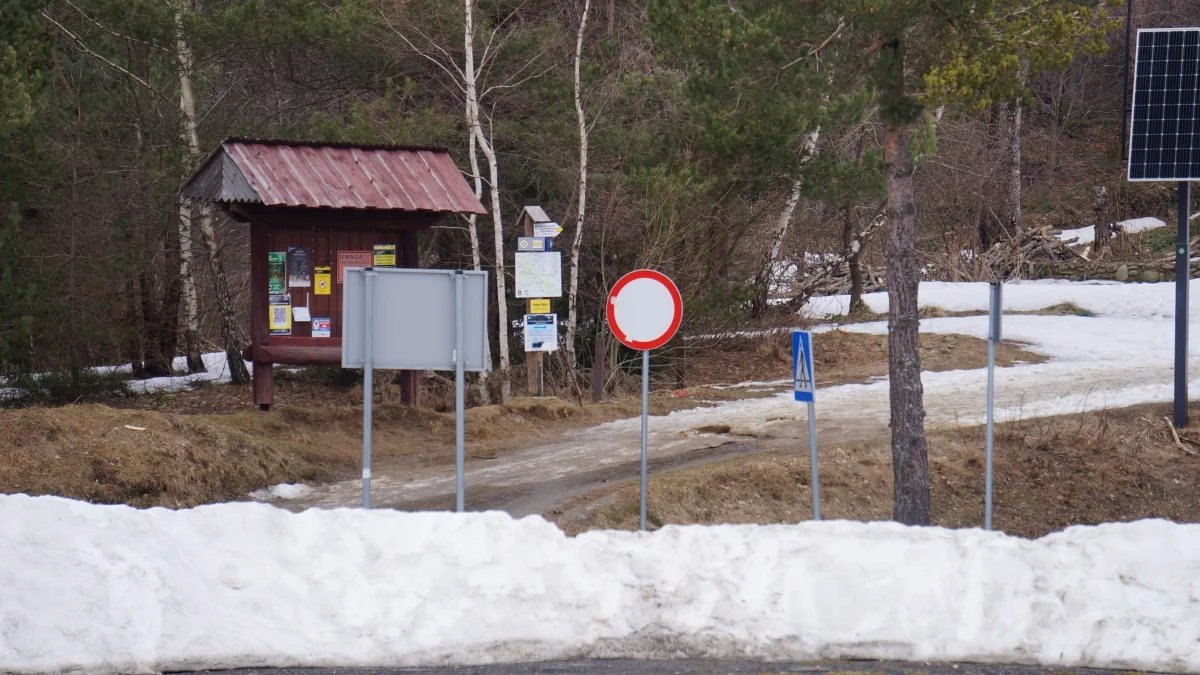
[212, 444]
[88, 452]
[1089, 468]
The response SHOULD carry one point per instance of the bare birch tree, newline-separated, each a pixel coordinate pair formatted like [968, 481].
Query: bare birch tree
[766, 271]
[231, 331]
[573, 288]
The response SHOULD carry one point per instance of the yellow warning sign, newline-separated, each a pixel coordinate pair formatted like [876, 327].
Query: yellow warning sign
[539, 306]
[385, 255]
[323, 280]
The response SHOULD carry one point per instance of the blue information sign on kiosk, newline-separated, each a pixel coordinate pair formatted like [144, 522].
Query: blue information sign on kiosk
[804, 382]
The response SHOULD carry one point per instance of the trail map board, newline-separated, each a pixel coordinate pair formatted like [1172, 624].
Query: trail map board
[1164, 140]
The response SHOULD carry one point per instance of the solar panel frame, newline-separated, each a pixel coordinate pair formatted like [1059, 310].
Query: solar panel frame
[1164, 130]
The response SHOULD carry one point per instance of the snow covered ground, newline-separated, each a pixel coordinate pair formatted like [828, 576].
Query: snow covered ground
[215, 364]
[102, 589]
[1087, 235]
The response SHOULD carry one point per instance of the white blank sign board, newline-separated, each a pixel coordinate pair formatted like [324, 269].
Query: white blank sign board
[413, 319]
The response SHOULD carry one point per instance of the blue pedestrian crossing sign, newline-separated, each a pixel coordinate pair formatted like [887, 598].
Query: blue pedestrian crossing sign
[804, 382]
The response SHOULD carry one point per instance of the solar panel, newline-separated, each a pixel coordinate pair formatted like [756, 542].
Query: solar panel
[1164, 138]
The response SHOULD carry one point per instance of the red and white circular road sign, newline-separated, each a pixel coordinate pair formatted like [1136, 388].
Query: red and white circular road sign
[644, 309]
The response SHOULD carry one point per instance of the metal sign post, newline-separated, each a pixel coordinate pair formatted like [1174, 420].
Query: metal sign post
[378, 332]
[645, 433]
[459, 422]
[994, 314]
[368, 384]
[1183, 274]
[804, 386]
[644, 310]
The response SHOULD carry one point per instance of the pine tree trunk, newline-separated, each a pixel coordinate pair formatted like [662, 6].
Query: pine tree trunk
[910, 463]
[851, 243]
[1103, 224]
[576, 243]
[231, 331]
[1010, 124]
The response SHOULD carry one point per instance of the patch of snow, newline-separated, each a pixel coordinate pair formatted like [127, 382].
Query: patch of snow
[1087, 235]
[282, 491]
[743, 385]
[214, 362]
[1106, 298]
[106, 589]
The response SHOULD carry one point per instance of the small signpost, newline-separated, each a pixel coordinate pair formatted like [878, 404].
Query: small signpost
[644, 310]
[378, 331]
[804, 386]
[994, 314]
[538, 276]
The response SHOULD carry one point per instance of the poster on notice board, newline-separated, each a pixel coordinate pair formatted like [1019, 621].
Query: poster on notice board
[277, 272]
[299, 267]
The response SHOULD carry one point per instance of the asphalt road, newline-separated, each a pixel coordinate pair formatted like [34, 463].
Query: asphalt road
[630, 667]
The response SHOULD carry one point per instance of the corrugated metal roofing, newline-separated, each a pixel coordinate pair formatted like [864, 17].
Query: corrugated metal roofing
[338, 176]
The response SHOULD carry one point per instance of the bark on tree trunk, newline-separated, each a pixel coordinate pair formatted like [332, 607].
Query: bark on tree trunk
[485, 398]
[762, 282]
[191, 317]
[766, 271]
[1010, 121]
[910, 464]
[476, 129]
[851, 243]
[573, 289]
[1103, 224]
[231, 332]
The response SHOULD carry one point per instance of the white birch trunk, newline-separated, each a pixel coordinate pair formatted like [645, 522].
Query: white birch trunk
[493, 174]
[766, 272]
[191, 316]
[573, 288]
[230, 330]
[477, 258]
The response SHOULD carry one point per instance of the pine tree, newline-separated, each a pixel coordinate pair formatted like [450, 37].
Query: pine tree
[912, 54]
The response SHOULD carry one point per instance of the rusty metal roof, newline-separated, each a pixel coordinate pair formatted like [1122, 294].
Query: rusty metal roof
[336, 176]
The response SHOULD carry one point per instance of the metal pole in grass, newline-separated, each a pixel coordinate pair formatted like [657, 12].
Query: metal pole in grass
[994, 313]
[1183, 273]
[645, 426]
[804, 388]
[459, 404]
[368, 395]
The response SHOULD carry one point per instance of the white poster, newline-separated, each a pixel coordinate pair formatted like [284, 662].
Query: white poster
[541, 332]
[539, 275]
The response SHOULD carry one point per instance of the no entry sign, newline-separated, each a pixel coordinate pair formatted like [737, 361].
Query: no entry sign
[644, 310]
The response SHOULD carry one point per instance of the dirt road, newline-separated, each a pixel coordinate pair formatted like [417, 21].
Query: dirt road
[536, 479]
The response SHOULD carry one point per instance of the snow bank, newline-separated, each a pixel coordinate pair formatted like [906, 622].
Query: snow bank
[1087, 235]
[1106, 298]
[113, 589]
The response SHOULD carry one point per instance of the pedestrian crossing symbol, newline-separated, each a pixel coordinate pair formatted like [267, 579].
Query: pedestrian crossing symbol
[803, 381]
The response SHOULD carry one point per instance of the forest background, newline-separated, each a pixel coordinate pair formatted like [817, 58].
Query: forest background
[641, 129]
